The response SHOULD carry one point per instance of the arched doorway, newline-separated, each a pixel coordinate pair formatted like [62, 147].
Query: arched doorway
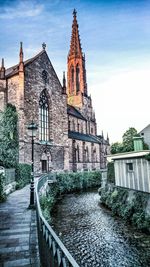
[46, 162]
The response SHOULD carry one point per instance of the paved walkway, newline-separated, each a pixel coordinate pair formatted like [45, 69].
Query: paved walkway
[18, 234]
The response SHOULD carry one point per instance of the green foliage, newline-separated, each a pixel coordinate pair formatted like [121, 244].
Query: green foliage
[128, 139]
[9, 144]
[134, 210]
[110, 172]
[69, 182]
[23, 175]
[116, 148]
[47, 203]
[145, 146]
[147, 157]
[2, 193]
[127, 144]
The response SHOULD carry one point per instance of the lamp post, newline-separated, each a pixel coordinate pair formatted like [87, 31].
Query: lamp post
[32, 129]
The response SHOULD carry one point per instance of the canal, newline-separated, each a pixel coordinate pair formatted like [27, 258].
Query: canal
[94, 237]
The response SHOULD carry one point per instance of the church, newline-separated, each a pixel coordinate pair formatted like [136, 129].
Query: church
[66, 138]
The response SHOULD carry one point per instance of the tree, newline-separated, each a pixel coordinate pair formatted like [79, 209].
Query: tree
[127, 137]
[116, 148]
[127, 144]
[9, 143]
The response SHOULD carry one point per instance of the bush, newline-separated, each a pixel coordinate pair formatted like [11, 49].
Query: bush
[110, 172]
[9, 142]
[69, 182]
[2, 193]
[23, 175]
[134, 211]
[47, 203]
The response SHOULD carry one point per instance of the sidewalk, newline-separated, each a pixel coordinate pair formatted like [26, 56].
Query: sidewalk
[18, 233]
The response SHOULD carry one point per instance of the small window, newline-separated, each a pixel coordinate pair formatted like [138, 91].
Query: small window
[142, 133]
[44, 76]
[129, 167]
[78, 127]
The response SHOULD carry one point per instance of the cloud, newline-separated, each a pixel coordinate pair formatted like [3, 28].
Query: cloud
[21, 9]
[122, 102]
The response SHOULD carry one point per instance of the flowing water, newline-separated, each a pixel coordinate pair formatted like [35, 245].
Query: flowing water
[94, 237]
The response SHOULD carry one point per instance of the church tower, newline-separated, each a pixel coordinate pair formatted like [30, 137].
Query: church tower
[76, 73]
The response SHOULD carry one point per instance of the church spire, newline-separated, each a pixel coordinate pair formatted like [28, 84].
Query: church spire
[76, 73]
[75, 45]
[21, 64]
[107, 138]
[64, 84]
[2, 70]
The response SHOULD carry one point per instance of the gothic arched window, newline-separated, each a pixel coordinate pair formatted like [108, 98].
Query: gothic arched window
[77, 78]
[43, 117]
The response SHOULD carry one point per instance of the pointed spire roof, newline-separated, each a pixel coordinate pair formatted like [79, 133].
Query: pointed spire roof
[75, 45]
[64, 84]
[2, 70]
[107, 138]
[21, 53]
[2, 66]
[21, 64]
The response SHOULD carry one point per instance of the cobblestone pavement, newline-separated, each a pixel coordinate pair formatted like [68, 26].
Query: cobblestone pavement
[18, 233]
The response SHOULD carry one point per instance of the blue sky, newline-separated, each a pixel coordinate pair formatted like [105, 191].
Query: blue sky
[115, 37]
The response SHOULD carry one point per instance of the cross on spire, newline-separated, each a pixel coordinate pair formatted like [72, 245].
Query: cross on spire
[44, 46]
[74, 12]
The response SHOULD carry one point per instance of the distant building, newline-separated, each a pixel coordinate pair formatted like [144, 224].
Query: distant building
[67, 131]
[132, 169]
[145, 133]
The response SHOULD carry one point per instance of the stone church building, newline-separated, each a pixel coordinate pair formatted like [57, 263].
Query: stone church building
[67, 131]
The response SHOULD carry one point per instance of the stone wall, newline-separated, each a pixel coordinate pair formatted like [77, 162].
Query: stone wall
[58, 122]
[84, 155]
[131, 205]
[24, 91]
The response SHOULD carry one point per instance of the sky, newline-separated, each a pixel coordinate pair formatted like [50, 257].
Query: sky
[115, 37]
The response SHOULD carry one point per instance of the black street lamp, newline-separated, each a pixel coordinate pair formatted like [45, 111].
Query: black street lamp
[32, 129]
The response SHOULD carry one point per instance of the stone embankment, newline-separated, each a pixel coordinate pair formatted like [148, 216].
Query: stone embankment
[131, 205]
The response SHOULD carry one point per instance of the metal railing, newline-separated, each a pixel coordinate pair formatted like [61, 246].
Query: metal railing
[52, 251]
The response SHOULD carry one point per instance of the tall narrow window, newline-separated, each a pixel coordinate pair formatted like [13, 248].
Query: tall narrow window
[69, 125]
[78, 155]
[77, 78]
[43, 117]
[72, 79]
[73, 126]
